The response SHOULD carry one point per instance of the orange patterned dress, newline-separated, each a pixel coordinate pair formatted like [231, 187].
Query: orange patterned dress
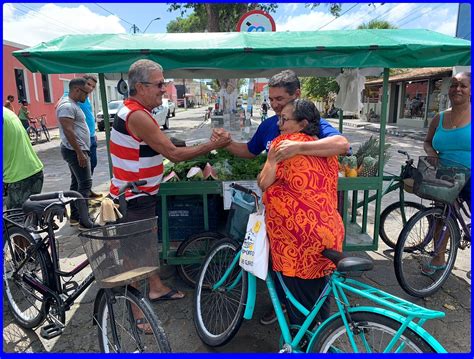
[301, 213]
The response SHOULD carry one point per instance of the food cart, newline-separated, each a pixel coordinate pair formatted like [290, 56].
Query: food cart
[256, 55]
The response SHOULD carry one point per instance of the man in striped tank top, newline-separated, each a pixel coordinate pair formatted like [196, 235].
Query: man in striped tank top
[137, 147]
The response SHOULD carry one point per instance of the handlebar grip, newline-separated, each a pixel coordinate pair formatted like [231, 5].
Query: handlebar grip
[131, 185]
[403, 152]
[240, 188]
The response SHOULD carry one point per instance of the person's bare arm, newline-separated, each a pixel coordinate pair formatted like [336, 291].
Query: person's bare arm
[143, 127]
[68, 129]
[268, 174]
[428, 144]
[236, 148]
[325, 147]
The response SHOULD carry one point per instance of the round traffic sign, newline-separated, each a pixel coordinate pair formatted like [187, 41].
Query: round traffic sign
[256, 21]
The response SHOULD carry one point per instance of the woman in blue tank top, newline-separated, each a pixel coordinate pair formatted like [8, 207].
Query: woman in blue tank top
[449, 137]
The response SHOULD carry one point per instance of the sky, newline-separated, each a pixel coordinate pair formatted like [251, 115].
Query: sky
[32, 23]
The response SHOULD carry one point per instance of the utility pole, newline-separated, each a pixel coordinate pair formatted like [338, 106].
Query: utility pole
[135, 29]
[184, 94]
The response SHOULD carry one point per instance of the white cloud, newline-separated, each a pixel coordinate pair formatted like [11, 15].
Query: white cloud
[290, 8]
[428, 17]
[31, 27]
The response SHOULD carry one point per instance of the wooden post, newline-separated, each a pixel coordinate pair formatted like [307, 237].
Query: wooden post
[105, 111]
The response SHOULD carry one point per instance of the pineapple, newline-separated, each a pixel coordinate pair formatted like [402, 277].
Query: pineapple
[351, 167]
[368, 168]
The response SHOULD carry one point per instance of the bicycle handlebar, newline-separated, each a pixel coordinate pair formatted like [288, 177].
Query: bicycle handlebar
[80, 203]
[132, 185]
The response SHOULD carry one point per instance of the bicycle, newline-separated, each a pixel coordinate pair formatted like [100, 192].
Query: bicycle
[34, 133]
[438, 230]
[225, 295]
[397, 214]
[38, 290]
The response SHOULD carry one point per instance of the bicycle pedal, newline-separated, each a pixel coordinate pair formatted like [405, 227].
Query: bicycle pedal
[51, 330]
[70, 287]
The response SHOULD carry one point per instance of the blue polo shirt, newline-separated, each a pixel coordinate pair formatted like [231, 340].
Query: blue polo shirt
[269, 130]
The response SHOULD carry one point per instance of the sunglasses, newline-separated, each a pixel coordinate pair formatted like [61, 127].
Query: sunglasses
[160, 85]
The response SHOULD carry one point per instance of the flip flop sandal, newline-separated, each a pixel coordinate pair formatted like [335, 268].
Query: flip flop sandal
[167, 296]
[431, 269]
[140, 330]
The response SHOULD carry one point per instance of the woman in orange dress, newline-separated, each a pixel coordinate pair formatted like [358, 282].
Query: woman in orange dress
[300, 197]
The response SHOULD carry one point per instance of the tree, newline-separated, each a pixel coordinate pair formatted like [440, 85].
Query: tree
[377, 24]
[193, 23]
[319, 88]
[224, 17]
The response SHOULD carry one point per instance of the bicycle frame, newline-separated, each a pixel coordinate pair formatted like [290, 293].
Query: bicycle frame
[55, 290]
[399, 309]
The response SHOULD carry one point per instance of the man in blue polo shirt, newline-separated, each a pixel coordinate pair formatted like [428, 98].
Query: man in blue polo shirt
[283, 88]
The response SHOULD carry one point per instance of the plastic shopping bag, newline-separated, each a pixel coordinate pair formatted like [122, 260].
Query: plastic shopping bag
[255, 249]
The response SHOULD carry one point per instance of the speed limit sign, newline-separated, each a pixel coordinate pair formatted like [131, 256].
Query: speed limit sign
[256, 21]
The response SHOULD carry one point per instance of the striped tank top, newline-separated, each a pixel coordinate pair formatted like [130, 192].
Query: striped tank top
[133, 159]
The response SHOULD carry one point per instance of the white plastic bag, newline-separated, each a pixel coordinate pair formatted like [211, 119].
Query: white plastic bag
[255, 249]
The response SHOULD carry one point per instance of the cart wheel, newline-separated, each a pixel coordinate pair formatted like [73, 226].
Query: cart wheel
[197, 245]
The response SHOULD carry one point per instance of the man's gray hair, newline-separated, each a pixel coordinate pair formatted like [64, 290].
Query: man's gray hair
[286, 79]
[140, 71]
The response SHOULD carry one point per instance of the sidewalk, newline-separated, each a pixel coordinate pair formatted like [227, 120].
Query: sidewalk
[390, 129]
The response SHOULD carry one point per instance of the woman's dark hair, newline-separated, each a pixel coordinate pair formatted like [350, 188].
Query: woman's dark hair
[306, 110]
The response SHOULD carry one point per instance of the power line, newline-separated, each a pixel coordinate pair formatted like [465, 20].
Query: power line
[345, 12]
[103, 8]
[426, 12]
[360, 18]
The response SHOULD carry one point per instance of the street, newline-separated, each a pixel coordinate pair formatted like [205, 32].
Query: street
[453, 331]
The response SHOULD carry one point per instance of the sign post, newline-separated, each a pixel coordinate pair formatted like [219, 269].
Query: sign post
[253, 21]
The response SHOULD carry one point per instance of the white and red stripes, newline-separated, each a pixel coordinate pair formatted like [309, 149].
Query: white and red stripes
[133, 159]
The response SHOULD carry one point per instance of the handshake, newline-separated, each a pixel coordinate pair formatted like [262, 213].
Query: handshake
[220, 137]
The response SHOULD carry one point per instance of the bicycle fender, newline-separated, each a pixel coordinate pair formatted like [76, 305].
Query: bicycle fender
[390, 314]
[251, 296]
[98, 297]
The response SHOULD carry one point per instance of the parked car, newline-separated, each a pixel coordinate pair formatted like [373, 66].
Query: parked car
[160, 114]
[171, 107]
[113, 107]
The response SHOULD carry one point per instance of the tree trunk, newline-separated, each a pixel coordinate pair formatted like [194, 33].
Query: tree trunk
[212, 17]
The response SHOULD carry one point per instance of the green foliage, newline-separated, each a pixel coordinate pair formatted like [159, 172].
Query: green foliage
[334, 8]
[193, 23]
[377, 24]
[318, 88]
[371, 148]
[227, 166]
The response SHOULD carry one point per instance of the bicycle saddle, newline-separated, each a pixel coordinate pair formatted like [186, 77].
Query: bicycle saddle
[35, 214]
[348, 264]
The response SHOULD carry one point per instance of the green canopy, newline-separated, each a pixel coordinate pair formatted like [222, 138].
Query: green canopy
[232, 55]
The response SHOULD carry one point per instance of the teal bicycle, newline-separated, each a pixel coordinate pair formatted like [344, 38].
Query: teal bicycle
[225, 295]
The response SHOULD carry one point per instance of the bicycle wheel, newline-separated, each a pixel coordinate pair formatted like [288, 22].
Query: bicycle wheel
[33, 135]
[218, 313]
[376, 331]
[392, 222]
[46, 133]
[145, 336]
[197, 245]
[26, 304]
[418, 244]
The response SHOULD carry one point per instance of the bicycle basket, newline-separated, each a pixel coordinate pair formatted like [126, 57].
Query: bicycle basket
[242, 206]
[120, 254]
[439, 180]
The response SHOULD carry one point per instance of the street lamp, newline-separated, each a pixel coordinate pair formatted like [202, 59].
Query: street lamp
[158, 18]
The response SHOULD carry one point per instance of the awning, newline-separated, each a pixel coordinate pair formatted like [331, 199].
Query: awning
[239, 55]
